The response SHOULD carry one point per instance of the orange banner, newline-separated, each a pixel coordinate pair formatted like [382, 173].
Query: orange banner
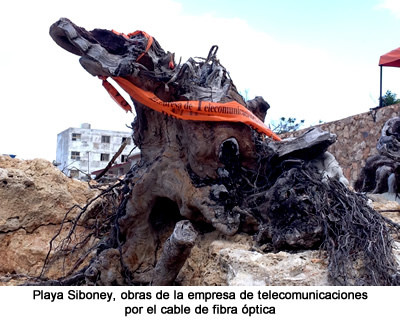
[146, 35]
[196, 110]
[115, 95]
[185, 110]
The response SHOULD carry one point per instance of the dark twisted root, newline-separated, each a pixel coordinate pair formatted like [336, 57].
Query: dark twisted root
[304, 211]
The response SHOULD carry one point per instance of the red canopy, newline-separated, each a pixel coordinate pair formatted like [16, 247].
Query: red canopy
[390, 59]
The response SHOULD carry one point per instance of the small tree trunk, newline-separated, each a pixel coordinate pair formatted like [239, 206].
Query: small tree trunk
[176, 250]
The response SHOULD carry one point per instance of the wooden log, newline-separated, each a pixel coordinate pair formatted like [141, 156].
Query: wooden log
[109, 165]
[176, 250]
[309, 145]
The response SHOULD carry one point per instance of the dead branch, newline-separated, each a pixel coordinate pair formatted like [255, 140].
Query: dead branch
[176, 250]
[111, 162]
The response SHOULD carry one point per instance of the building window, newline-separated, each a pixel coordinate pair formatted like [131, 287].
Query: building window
[104, 157]
[75, 155]
[76, 137]
[105, 139]
[128, 140]
[74, 173]
[124, 158]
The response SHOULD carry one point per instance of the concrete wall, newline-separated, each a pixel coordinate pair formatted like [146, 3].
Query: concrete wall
[90, 148]
[356, 138]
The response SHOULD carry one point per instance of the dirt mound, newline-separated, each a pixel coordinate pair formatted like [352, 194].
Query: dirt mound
[34, 193]
[34, 199]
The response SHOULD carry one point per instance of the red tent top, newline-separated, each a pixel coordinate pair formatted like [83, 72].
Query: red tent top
[390, 59]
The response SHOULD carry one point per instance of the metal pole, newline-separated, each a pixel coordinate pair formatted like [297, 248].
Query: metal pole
[88, 163]
[380, 91]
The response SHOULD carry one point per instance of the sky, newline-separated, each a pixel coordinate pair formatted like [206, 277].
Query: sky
[312, 59]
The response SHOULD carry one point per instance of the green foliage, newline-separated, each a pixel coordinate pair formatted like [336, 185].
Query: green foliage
[287, 125]
[389, 98]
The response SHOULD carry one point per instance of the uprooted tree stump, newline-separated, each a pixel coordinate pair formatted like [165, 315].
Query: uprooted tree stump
[197, 176]
[381, 172]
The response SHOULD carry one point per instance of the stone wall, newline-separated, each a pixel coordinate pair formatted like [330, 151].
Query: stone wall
[357, 137]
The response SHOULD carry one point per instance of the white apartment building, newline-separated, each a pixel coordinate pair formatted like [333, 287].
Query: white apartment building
[80, 151]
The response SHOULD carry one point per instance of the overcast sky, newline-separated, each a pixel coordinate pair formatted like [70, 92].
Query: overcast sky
[311, 59]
